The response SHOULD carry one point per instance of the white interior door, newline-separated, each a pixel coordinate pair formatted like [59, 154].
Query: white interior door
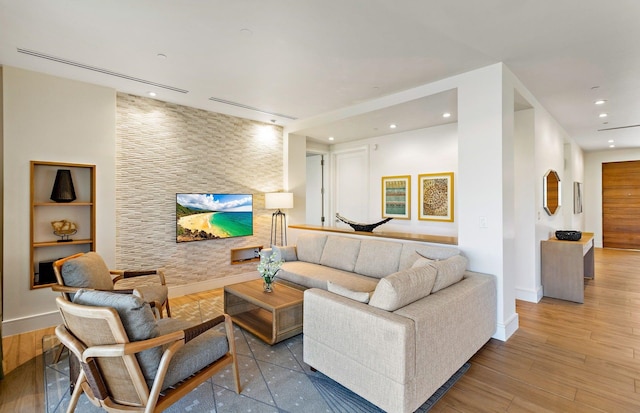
[351, 183]
[314, 204]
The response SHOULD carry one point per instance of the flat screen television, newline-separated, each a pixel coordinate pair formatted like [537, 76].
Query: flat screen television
[203, 216]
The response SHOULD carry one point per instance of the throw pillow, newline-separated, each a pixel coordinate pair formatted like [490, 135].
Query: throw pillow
[88, 270]
[340, 253]
[450, 271]
[421, 262]
[309, 247]
[285, 253]
[403, 287]
[137, 319]
[360, 296]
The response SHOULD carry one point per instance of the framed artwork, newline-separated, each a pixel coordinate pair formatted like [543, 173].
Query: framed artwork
[436, 197]
[577, 197]
[396, 197]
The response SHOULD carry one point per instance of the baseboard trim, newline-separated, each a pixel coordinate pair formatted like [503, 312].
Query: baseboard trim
[31, 323]
[506, 329]
[529, 295]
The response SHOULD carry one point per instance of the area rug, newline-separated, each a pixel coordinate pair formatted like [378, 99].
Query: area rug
[274, 379]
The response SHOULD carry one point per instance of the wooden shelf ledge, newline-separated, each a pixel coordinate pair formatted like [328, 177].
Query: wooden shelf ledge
[437, 239]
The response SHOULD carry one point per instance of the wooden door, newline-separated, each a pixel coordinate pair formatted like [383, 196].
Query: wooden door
[621, 205]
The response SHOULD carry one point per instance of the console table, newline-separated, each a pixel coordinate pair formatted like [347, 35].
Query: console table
[565, 265]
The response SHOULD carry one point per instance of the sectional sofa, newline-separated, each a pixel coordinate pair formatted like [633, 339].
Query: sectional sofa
[392, 321]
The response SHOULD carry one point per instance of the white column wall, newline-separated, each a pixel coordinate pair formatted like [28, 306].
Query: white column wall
[50, 119]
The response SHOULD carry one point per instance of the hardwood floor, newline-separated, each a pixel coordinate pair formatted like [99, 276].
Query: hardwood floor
[565, 357]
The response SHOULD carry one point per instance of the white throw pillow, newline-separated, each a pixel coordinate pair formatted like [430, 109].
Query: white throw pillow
[284, 253]
[360, 296]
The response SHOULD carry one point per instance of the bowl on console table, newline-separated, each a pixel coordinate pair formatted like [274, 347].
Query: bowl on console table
[565, 235]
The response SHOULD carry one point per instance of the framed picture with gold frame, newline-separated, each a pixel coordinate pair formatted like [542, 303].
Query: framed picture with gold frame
[396, 197]
[436, 197]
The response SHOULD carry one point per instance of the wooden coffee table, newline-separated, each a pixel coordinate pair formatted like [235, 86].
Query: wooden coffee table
[272, 317]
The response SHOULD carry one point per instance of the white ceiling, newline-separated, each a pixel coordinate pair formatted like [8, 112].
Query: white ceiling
[302, 58]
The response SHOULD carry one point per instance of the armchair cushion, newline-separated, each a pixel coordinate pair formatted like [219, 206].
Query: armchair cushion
[88, 270]
[137, 319]
[194, 355]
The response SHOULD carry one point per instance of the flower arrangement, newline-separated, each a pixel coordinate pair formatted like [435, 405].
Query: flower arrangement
[268, 269]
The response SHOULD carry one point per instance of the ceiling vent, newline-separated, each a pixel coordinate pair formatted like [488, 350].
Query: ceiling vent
[618, 127]
[240, 105]
[99, 70]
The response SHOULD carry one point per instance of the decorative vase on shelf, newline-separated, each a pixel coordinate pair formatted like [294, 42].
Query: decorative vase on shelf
[268, 268]
[63, 190]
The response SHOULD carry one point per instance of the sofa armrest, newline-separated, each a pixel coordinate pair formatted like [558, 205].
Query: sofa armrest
[380, 341]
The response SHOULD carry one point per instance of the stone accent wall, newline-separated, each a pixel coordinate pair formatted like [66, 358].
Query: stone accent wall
[163, 149]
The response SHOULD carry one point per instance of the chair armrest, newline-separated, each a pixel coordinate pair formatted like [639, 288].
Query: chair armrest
[124, 274]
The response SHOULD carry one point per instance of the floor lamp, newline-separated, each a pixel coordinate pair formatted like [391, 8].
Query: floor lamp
[278, 201]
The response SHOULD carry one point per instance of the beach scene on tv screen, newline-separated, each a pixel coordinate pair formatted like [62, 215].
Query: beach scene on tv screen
[213, 216]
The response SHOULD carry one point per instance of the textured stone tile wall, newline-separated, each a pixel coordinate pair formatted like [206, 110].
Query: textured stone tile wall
[164, 149]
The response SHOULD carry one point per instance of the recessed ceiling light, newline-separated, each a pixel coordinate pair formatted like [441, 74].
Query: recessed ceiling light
[161, 56]
[393, 126]
[331, 138]
[603, 115]
[152, 94]
[610, 141]
[246, 32]
[612, 146]
[600, 101]
[446, 115]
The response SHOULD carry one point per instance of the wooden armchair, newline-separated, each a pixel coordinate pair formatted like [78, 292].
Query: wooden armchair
[132, 361]
[88, 270]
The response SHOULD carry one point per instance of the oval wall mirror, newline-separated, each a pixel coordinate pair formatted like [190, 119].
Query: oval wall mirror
[551, 192]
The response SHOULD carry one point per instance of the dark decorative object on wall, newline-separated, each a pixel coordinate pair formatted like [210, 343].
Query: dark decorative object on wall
[63, 187]
[569, 235]
[362, 227]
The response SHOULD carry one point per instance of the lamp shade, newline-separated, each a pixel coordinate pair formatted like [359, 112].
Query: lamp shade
[63, 187]
[278, 200]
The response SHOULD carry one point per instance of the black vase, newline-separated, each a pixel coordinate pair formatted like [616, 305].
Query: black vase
[63, 187]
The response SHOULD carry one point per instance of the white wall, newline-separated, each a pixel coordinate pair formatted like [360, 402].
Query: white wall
[592, 196]
[422, 151]
[50, 119]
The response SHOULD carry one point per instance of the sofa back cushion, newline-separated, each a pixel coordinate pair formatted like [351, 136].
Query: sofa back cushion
[450, 271]
[284, 253]
[88, 270]
[378, 258]
[309, 247]
[403, 287]
[340, 253]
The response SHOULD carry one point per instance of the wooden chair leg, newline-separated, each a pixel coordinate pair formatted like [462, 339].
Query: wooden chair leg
[77, 391]
[228, 325]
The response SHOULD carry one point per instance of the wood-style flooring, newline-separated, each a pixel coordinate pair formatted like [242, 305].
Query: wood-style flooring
[565, 357]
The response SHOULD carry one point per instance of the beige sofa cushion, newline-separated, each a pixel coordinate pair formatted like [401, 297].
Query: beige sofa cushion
[286, 253]
[436, 253]
[404, 287]
[450, 271]
[309, 247]
[378, 258]
[340, 253]
[316, 276]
